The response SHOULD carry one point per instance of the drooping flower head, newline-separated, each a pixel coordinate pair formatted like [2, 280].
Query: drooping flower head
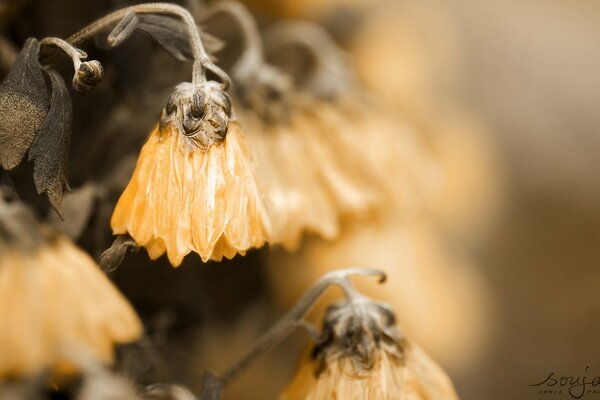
[371, 160]
[57, 305]
[362, 355]
[194, 186]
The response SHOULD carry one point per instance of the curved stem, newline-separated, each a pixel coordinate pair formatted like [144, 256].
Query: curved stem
[291, 320]
[201, 58]
[331, 73]
[252, 58]
[308, 35]
[76, 54]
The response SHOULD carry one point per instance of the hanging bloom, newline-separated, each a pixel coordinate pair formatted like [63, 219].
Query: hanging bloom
[431, 289]
[56, 302]
[297, 201]
[194, 187]
[362, 355]
[341, 172]
[369, 160]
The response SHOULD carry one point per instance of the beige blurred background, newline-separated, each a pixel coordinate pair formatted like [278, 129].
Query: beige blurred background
[529, 69]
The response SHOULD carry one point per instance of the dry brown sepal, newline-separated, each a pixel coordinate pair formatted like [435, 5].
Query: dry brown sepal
[181, 200]
[56, 302]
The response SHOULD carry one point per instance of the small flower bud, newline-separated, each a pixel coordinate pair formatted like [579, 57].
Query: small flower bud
[88, 75]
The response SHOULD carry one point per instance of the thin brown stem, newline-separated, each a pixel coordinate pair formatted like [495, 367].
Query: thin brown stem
[74, 53]
[252, 57]
[201, 59]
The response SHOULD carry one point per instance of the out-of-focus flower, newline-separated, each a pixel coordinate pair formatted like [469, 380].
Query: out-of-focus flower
[431, 289]
[330, 154]
[372, 146]
[194, 187]
[297, 201]
[56, 302]
[362, 355]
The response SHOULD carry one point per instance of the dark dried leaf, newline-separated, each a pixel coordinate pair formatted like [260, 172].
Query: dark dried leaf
[123, 30]
[112, 257]
[50, 150]
[78, 207]
[169, 33]
[23, 105]
[166, 31]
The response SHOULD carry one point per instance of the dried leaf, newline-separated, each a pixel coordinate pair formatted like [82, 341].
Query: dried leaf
[112, 257]
[166, 31]
[50, 149]
[169, 33]
[78, 207]
[123, 30]
[23, 105]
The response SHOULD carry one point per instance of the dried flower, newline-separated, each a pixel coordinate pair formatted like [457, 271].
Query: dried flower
[370, 160]
[56, 301]
[362, 355]
[431, 289]
[194, 187]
